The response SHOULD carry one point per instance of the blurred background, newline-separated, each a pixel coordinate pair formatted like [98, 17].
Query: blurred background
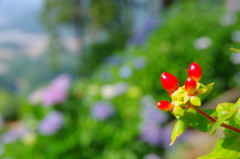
[79, 78]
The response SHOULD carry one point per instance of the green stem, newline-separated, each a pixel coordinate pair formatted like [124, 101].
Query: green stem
[214, 120]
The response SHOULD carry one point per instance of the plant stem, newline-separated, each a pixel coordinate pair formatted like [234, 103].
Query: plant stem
[214, 120]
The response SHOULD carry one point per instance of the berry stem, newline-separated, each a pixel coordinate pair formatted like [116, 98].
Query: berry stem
[214, 120]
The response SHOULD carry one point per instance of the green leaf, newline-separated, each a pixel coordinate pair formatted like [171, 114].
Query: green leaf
[178, 129]
[194, 100]
[201, 91]
[178, 111]
[209, 89]
[182, 123]
[237, 115]
[185, 99]
[202, 123]
[222, 119]
[226, 148]
[224, 109]
[233, 49]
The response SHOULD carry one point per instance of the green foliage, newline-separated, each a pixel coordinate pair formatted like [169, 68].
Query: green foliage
[225, 115]
[170, 48]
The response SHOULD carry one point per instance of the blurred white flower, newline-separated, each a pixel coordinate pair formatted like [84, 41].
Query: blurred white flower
[235, 58]
[228, 19]
[125, 72]
[107, 91]
[139, 62]
[233, 5]
[35, 97]
[236, 36]
[151, 156]
[202, 43]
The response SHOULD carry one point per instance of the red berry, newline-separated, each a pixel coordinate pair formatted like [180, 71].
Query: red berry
[169, 82]
[195, 71]
[164, 105]
[191, 86]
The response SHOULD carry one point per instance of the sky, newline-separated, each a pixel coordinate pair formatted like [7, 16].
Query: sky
[20, 14]
[21, 27]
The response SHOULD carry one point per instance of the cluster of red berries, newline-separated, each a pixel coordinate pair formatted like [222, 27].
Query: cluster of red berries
[170, 83]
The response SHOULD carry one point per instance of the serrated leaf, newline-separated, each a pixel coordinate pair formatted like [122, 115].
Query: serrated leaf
[202, 123]
[182, 123]
[227, 148]
[194, 100]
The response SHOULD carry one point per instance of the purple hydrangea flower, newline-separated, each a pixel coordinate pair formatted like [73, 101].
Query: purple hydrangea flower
[114, 59]
[167, 132]
[141, 36]
[14, 133]
[150, 112]
[56, 92]
[102, 110]
[10, 136]
[51, 123]
[139, 62]
[151, 156]
[125, 72]
[120, 87]
[151, 133]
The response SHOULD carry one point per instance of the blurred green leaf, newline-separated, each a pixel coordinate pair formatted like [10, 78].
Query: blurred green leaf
[227, 148]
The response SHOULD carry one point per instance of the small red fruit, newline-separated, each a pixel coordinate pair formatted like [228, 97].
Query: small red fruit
[191, 86]
[195, 71]
[169, 82]
[164, 105]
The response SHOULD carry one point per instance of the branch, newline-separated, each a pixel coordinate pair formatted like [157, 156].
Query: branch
[214, 120]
